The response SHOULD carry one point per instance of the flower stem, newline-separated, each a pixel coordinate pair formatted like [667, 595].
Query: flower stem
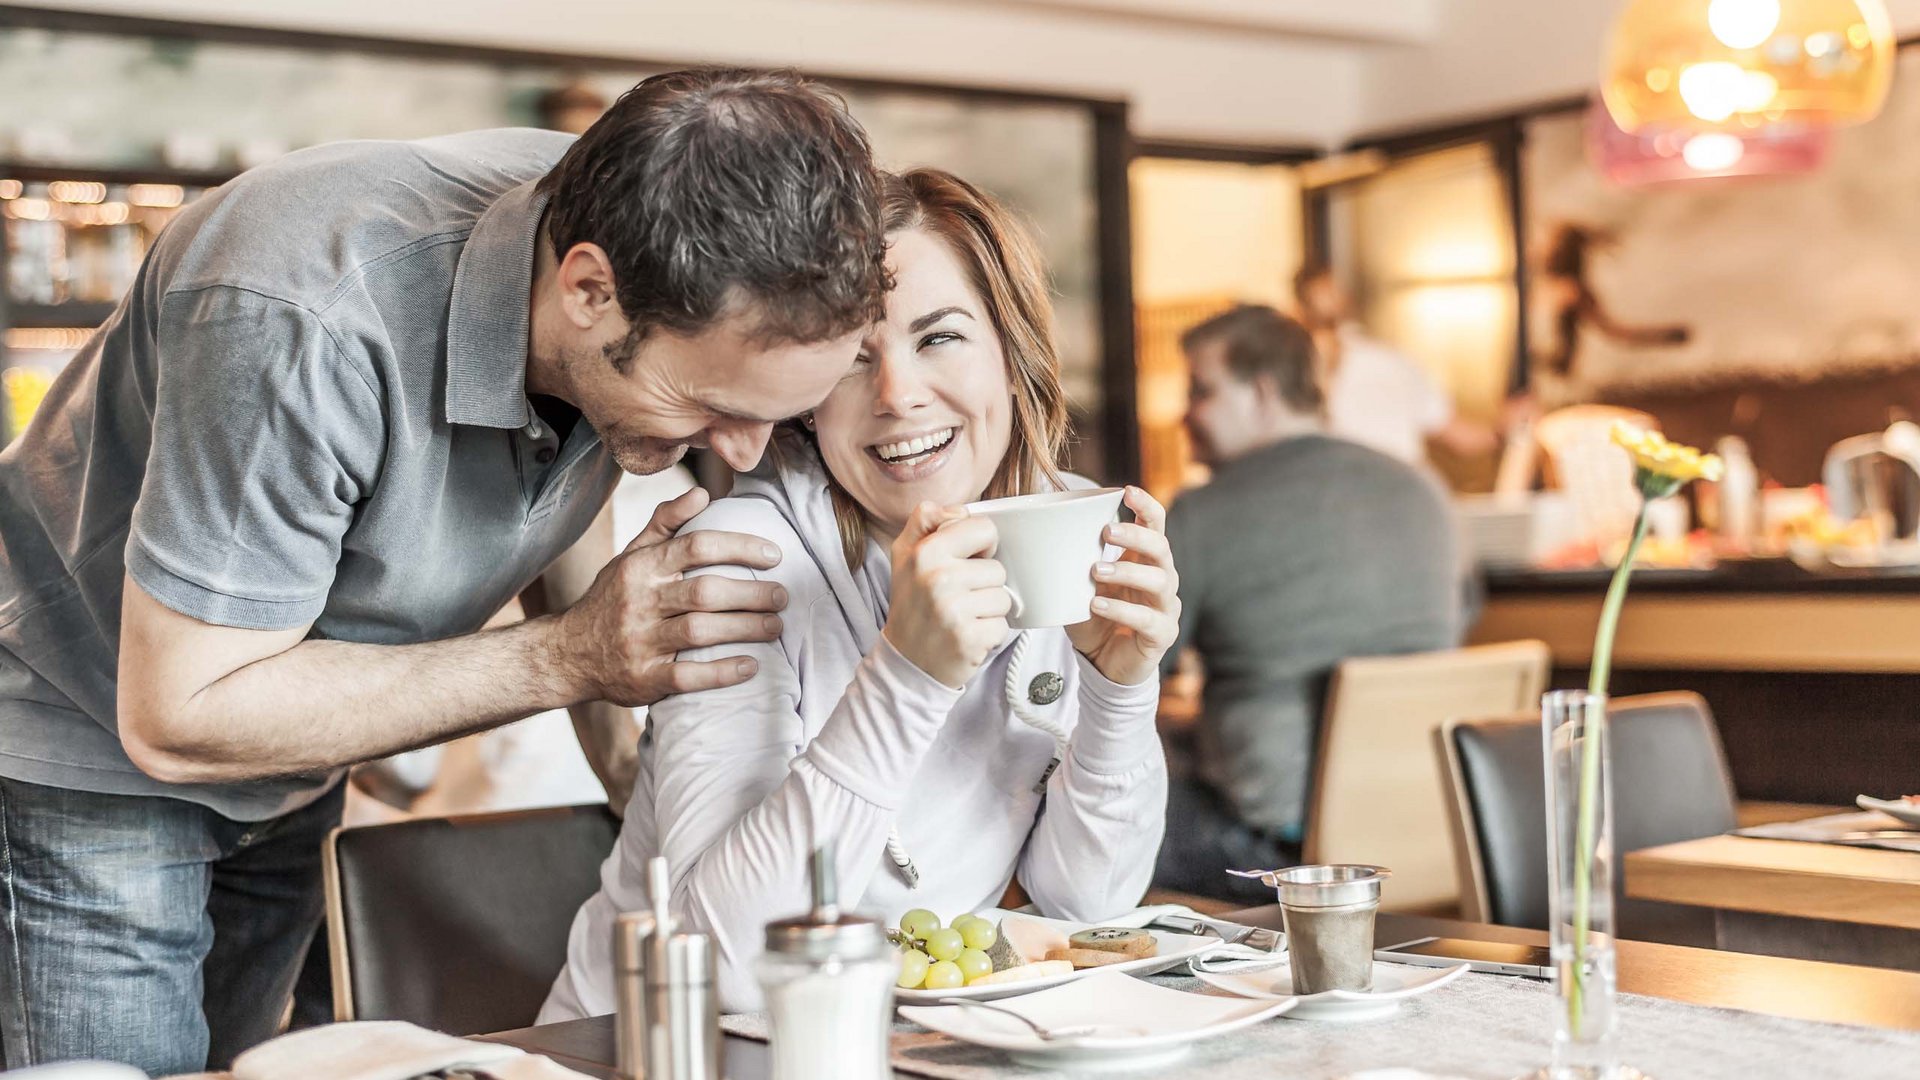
[1589, 812]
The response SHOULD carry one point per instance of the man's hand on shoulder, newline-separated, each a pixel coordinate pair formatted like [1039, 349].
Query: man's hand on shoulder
[619, 642]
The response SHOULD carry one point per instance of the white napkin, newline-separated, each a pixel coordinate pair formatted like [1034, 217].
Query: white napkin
[385, 1050]
[1224, 958]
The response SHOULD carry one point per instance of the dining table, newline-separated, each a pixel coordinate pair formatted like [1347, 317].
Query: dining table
[1770, 986]
[1791, 897]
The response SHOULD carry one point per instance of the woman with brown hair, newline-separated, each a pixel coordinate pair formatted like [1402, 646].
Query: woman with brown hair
[897, 716]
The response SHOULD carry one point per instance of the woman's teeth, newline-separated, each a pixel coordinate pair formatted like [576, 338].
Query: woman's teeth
[909, 449]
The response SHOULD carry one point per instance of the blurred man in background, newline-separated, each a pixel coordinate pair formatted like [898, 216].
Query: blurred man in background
[1302, 551]
[1376, 395]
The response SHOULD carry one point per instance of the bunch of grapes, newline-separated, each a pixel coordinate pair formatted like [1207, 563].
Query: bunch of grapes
[934, 957]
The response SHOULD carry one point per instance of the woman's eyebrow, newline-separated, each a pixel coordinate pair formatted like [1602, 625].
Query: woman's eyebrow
[935, 316]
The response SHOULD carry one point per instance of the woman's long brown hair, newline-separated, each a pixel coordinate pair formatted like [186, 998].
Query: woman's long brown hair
[1006, 271]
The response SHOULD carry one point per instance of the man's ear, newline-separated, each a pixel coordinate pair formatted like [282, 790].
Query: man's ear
[587, 290]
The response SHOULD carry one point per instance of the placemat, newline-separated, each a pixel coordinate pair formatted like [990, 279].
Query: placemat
[1480, 1027]
[1831, 829]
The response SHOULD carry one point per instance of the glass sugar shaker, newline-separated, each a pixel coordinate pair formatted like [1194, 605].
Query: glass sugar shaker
[828, 981]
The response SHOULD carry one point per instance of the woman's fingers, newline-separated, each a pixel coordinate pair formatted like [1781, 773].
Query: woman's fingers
[1146, 578]
[960, 537]
[1142, 541]
[1147, 510]
[1155, 628]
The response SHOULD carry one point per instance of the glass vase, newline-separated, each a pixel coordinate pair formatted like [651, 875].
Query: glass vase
[1581, 866]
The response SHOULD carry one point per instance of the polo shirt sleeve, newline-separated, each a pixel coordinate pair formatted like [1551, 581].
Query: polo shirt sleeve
[265, 436]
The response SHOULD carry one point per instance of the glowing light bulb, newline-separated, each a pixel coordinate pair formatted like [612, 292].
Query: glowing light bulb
[1713, 151]
[1743, 24]
[1714, 90]
[1757, 89]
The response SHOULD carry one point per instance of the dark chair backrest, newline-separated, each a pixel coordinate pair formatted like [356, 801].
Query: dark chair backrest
[1670, 783]
[459, 924]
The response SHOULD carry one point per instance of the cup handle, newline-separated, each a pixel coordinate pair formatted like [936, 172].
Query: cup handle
[1014, 595]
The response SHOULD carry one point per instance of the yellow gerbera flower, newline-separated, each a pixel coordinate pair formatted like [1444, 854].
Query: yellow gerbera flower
[1671, 461]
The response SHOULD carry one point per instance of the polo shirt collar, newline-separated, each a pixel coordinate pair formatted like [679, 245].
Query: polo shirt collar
[487, 317]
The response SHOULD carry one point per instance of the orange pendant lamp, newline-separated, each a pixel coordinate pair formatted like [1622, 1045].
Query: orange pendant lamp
[1741, 65]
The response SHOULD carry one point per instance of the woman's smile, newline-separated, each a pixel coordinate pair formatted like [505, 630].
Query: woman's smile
[908, 458]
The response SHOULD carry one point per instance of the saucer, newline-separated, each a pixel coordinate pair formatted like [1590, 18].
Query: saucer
[1899, 809]
[1392, 984]
[1141, 1024]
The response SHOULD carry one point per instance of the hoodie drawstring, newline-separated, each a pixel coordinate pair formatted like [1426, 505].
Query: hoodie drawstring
[1023, 710]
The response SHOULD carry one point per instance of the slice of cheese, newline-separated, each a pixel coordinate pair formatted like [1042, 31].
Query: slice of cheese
[1023, 941]
[1045, 969]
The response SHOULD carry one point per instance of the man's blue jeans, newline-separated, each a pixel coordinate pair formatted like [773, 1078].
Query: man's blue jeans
[150, 931]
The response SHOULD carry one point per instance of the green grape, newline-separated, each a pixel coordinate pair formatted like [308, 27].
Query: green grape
[913, 969]
[918, 923]
[977, 933]
[945, 975]
[945, 944]
[973, 963]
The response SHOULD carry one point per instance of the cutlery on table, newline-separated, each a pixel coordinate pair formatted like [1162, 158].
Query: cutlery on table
[1253, 937]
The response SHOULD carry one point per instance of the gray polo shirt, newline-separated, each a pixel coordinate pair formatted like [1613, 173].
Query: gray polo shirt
[1295, 557]
[311, 408]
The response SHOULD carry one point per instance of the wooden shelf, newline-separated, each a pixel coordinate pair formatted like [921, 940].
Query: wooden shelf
[72, 313]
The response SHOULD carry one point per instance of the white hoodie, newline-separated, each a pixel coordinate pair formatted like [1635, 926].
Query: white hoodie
[839, 738]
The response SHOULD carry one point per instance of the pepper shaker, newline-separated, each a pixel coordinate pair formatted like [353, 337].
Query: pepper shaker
[828, 980]
[668, 1022]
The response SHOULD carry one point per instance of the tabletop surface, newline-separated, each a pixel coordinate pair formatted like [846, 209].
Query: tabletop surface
[1801, 989]
[1782, 877]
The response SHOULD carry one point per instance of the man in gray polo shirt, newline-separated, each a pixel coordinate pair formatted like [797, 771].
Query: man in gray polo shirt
[355, 402]
[1304, 550]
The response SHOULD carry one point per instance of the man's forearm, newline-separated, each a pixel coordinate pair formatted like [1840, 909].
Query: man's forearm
[324, 704]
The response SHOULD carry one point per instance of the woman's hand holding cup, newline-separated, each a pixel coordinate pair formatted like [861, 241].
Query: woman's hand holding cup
[948, 610]
[1136, 606]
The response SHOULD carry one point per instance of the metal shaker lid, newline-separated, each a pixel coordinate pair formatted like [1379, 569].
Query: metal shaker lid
[646, 943]
[683, 959]
[631, 929]
[826, 932]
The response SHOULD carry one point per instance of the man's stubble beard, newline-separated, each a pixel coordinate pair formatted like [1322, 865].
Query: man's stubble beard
[643, 456]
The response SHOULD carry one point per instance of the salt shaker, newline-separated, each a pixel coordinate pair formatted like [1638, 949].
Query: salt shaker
[667, 1024]
[828, 980]
[630, 933]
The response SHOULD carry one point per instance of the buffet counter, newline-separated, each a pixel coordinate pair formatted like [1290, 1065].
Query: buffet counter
[1814, 677]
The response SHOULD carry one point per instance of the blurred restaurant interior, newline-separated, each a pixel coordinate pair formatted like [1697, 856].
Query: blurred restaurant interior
[1533, 208]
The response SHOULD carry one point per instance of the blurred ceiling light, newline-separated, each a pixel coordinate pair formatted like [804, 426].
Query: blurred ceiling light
[1713, 151]
[77, 191]
[30, 209]
[1671, 154]
[1743, 24]
[1713, 91]
[1747, 63]
[11, 189]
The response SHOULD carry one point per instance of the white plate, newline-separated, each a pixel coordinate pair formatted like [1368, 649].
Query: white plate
[1392, 984]
[1149, 1023]
[1175, 949]
[1908, 813]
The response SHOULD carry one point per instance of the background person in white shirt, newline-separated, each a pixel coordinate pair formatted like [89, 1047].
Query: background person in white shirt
[897, 716]
[1376, 395]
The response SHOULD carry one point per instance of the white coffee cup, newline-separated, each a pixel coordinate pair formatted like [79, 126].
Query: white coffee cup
[1049, 543]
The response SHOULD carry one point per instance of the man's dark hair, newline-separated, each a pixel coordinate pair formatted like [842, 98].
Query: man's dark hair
[714, 187]
[1262, 343]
